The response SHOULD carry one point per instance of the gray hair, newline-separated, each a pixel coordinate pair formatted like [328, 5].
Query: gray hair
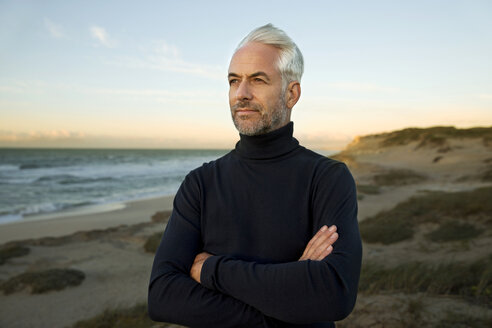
[290, 62]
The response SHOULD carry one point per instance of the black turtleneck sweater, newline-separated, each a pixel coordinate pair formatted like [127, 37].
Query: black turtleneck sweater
[255, 209]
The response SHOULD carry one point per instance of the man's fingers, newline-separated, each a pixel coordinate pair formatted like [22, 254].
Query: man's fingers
[325, 253]
[318, 245]
[309, 247]
[323, 244]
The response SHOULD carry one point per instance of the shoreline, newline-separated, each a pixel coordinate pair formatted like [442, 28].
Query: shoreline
[98, 217]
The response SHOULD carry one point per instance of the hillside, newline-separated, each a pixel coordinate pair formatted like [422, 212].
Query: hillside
[425, 215]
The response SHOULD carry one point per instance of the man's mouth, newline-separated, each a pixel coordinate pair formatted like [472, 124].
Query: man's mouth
[246, 110]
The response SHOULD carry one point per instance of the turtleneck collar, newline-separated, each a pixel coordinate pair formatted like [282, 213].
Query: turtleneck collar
[269, 145]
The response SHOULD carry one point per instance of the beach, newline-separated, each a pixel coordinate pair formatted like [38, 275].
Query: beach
[65, 223]
[113, 260]
[428, 268]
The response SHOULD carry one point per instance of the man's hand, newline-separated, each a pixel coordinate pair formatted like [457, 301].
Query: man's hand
[320, 245]
[317, 249]
[196, 268]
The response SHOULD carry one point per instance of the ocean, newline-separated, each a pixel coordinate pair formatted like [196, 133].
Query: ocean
[43, 181]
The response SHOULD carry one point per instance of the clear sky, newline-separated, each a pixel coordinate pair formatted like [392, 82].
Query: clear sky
[153, 73]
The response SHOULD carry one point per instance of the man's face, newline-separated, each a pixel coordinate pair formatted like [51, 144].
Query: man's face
[256, 98]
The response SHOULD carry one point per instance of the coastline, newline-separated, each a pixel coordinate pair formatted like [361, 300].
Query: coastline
[100, 217]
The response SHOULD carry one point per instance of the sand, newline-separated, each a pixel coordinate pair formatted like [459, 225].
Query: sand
[70, 222]
[117, 268]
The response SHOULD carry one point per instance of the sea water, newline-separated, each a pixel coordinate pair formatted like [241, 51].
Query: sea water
[40, 181]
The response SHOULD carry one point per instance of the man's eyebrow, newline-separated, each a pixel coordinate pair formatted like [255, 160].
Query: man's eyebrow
[256, 74]
[263, 74]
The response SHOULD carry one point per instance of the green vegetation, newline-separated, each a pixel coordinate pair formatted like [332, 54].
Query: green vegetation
[385, 229]
[134, 317]
[471, 280]
[368, 189]
[12, 250]
[453, 230]
[43, 281]
[434, 136]
[460, 320]
[161, 216]
[398, 178]
[487, 175]
[398, 224]
[153, 242]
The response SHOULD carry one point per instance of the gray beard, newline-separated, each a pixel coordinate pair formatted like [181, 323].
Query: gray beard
[265, 124]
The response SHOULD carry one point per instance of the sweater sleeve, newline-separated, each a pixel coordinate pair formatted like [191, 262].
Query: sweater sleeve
[173, 295]
[302, 292]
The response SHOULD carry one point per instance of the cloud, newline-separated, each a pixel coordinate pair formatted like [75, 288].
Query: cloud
[100, 34]
[70, 139]
[163, 56]
[10, 136]
[56, 30]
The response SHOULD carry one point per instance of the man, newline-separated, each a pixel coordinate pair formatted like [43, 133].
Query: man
[251, 240]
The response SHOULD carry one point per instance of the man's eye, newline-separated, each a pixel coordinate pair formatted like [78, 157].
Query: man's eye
[258, 80]
[233, 81]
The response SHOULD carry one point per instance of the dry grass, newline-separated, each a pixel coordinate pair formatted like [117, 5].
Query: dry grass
[12, 250]
[398, 178]
[459, 320]
[453, 230]
[368, 189]
[487, 175]
[434, 136]
[161, 216]
[43, 281]
[153, 242]
[398, 224]
[134, 317]
[470, 280]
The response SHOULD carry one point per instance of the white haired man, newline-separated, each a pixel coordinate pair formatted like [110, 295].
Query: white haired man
[239, 250]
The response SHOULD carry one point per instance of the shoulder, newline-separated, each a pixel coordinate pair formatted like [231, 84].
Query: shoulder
[328, 172]
[324, 164]
[210, 168]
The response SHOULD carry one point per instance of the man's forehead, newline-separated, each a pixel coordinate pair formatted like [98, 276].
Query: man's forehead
[254, 57]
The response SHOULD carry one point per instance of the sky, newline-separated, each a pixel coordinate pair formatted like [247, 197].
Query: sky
[153, 74]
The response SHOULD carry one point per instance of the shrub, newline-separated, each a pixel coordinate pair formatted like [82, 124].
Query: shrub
[368, 189]
[12, 250]
[453, 230]
[397, 224]
[472, 280]
[153, 242]
[398, 178]
[43, 281]
[134, 317]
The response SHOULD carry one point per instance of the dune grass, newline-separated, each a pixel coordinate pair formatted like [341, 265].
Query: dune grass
[12, 250]
[398, 178]
[153, 242]
[460, 320]
[472, 280]
[434, 136]
[134, 317]
[368, 189]
[453, 230]
[43, 281]
[399, 223]
[487, 175]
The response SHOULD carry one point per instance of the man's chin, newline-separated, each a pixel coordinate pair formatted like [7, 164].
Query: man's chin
[250, 129]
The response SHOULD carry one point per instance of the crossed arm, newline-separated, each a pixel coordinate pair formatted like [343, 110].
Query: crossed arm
[320, 287]
[319, 247]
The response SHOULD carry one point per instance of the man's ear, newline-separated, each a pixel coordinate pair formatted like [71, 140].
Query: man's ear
[293, 93]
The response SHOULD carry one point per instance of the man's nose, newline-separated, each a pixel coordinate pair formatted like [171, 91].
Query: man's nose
[243, 92]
